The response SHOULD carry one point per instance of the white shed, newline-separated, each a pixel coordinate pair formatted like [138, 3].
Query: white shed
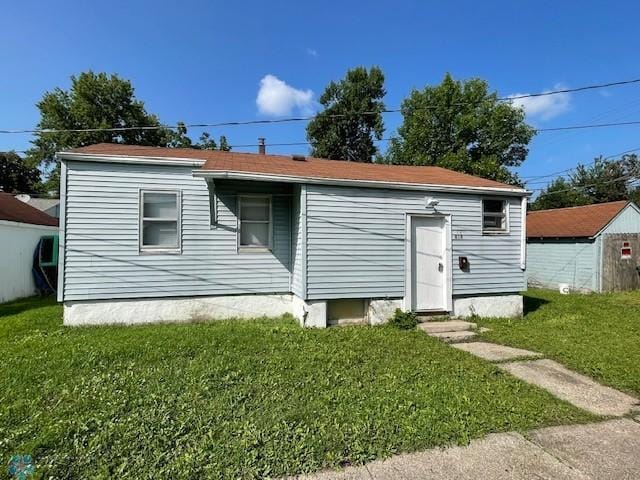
[21, 227]
[593, 248]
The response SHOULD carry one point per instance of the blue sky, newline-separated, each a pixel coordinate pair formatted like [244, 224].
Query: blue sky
[204, 61]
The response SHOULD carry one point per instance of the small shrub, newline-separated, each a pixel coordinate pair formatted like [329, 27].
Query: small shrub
[403, 320]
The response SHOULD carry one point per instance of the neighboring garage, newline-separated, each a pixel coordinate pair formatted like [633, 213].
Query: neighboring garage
[21, 228]
[590, 248]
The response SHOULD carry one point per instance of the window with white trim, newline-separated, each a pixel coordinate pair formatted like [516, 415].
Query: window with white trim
[159, 221]
[255, 222]
[494, 216]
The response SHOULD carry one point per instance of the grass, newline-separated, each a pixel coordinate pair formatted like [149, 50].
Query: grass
[596, 334]
[240, 399]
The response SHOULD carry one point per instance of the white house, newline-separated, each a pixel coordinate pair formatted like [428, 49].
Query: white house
[156, 234]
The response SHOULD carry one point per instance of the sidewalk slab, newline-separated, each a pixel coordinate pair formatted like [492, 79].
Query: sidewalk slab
[607, 450]
[493, 352]
[572, 387]
[495, 457]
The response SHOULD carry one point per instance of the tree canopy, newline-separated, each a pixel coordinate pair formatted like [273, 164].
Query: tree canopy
[602, 181]
[341, 131]
[16, 176]
[100, 101]
[462, 126]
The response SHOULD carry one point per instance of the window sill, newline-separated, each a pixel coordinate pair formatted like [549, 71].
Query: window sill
[254, 250]
[160, 251]
[496, 232]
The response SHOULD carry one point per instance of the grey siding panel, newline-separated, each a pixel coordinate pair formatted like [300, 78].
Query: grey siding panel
[102, 259]
[356, 243]
[552, 262]
[627, 221]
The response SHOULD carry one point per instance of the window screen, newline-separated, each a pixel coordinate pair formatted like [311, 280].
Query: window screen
[255, 221]
[494, 216]
[160, 221]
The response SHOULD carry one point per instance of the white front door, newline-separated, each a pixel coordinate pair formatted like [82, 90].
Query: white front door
[428, 263]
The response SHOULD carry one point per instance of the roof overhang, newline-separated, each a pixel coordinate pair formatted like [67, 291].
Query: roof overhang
[92, 157]
[263, 177]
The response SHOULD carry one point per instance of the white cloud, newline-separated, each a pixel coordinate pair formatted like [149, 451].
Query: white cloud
[544, 108]
[312, 52]
[276, 98]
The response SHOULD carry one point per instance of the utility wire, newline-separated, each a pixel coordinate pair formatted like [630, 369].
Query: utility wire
[582, 187]
[616, 155]
[572, 90]
[342, 115]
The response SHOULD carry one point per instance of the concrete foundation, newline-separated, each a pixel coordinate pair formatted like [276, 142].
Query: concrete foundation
[508, 306]
[380, 310]
[139, 311]
[310, 313]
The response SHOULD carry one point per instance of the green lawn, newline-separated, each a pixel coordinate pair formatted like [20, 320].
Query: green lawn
[240, 399]
[596, 334]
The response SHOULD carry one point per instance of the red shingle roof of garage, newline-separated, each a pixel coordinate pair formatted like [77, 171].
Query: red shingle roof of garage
[14, 210]
[584, 221]
[315, 168]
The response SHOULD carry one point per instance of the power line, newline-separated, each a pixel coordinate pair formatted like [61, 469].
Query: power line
[307, 118]
[572, 90]
[615, 155]
[581, 187]
[594, 125]
[120, 129]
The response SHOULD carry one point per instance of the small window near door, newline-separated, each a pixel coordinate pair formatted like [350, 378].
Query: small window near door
[494, 216]
[159, 221]
[255, 223]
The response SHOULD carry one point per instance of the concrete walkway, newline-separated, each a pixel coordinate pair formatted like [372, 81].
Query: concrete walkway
[608, 450]
[561, 382]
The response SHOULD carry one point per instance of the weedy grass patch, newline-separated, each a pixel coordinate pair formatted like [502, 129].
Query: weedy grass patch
[240, 399]
[596, 334]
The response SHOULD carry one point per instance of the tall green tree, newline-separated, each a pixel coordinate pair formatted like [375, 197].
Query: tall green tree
[94, 101]
[461, 125]
[559, 194]
[16, 176]
[208, 143]
[340, 131]
[601, 181]
[605, 180]
[98, 101]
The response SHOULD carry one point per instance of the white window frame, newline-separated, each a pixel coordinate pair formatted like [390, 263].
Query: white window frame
[254, 248]
[159, 249]
[505, 212]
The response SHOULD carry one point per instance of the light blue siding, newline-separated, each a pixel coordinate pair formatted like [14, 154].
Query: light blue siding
[102, 259]
[627, 221]
[356, 243]
[551, 262]
[298, 248]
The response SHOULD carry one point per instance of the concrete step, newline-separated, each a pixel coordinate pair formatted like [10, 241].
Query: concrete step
[454, 337]
[448, 326]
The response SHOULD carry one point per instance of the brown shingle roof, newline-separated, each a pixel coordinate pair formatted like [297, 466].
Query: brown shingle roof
[584, 221]
[14, 210]
[315, 168]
